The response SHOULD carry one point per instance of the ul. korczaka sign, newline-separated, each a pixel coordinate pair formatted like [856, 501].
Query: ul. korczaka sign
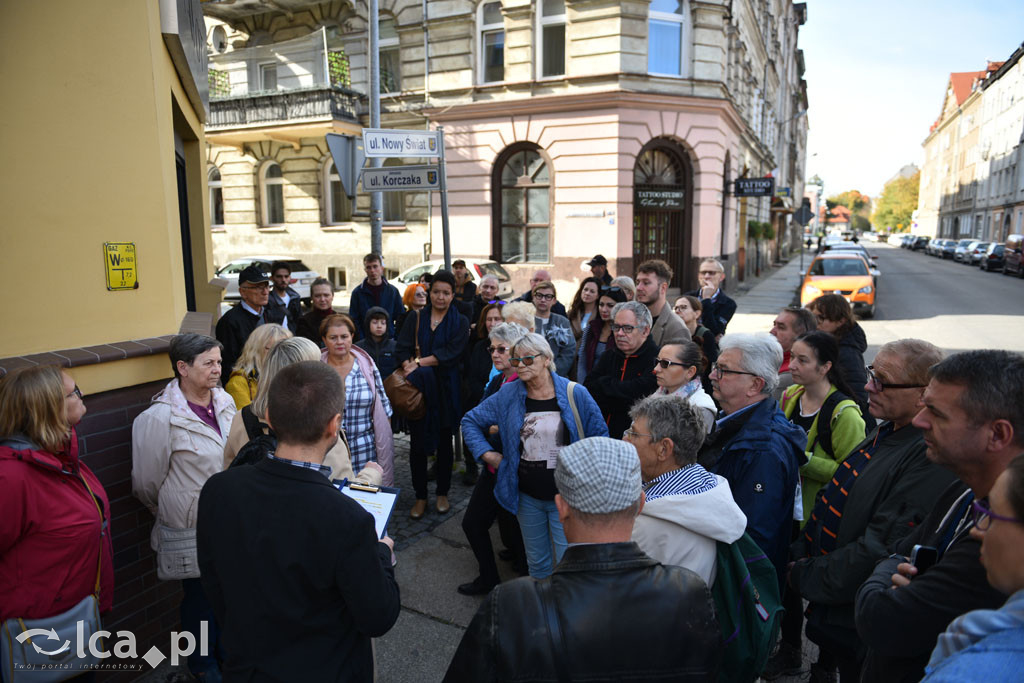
[755, 187]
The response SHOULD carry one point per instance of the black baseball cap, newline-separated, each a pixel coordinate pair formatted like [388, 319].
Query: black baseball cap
[252, 275]
[598, 261]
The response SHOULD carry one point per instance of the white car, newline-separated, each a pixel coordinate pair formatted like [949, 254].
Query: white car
[302, 276]
[477, 269]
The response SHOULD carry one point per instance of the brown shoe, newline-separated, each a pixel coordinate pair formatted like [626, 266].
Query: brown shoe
[442, 504]
[419, 508]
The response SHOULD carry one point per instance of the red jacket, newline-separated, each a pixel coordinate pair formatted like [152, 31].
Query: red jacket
[50, 533]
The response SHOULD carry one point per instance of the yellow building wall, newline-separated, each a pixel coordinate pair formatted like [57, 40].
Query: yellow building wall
[87, 151]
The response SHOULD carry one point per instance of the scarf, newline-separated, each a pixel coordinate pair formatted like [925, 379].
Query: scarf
[968, 629]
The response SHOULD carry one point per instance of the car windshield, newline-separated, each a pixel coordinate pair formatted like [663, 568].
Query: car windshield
[839, 267]
[496, 270]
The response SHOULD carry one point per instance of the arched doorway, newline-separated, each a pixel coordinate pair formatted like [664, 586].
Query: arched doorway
[663, 208]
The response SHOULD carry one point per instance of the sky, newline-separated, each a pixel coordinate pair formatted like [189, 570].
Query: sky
[876, 76]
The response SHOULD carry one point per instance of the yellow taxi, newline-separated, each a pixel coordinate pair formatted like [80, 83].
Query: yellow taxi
[840, 273]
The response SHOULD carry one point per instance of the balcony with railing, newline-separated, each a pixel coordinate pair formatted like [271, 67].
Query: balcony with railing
[298, 81]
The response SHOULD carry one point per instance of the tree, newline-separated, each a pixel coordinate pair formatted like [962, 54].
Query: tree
[897, 203]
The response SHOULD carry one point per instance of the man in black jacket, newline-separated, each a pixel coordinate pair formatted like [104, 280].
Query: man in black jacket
[973, 424]
[881, 492]
[298, 579]
[717, 307]
[235, 326]
[603, 588]
[624, 374]
[284, 306]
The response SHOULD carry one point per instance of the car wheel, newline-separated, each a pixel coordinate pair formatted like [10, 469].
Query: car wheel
[983, 265]
[869, 312]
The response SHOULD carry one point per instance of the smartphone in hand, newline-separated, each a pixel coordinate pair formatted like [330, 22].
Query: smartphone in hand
[923, 557]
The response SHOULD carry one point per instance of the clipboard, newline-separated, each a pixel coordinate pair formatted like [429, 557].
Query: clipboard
[379, 501]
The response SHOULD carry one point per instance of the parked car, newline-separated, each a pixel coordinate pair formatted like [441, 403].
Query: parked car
[919, 243]
[1013, 255]
[948, 249]
[934, 247]
[302, 275]
[906, 241]
[993, 257]
[840, 273]
[477, 269]
[977, 252]
[960, 251]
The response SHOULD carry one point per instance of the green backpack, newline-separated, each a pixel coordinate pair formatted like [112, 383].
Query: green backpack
[749, 608]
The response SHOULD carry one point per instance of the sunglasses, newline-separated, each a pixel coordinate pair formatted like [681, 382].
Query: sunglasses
[664, 363]
[500, 349]
[500, 302]
[525, 360]
[610, 288]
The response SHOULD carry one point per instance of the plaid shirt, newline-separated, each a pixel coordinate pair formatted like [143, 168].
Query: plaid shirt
[322, 469]
[358, 420]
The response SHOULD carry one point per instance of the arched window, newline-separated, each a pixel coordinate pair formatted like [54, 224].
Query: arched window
[337, 207]
[551, 45]
[390, 57]
[522, 201]
[272, 194]
[667, 37]
[491, 43]
[216, 197]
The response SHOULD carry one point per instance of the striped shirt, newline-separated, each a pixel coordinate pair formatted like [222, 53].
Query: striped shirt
[322, 469]
[688, 481]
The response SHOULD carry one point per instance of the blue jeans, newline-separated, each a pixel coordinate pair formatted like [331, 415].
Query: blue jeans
[538, 520]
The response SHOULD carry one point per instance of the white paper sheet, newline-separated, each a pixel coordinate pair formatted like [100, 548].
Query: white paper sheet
[377, 504]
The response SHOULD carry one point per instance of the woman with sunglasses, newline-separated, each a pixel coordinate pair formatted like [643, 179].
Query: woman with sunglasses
[598, 332]
[535, 419]
[584, 305]
[678, 369]
[55, 536]
[483, 509]
[988, 645]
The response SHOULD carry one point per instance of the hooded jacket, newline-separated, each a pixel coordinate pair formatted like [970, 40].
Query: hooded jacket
[174, 453]
[617, 381]
[51, 532]
[760, 453]
[852, 346]
[362, 301]
[382, 353]
[683, 530]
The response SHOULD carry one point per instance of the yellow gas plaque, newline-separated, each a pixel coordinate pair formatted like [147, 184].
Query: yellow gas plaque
[121, 265]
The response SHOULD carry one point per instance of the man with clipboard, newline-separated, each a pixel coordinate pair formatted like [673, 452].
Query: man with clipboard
[296, 572]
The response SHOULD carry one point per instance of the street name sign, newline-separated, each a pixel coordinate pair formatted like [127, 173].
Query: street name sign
[783, 192]
[755, 187]
[386, 142]
[398, 178]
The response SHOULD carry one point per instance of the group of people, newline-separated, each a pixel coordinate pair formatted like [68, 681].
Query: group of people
[620, 446]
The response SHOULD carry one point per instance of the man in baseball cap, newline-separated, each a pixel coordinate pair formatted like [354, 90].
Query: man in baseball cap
[599, 269]
[235, 326]
[603, 587]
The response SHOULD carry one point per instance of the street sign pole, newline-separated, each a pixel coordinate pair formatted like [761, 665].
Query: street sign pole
[446, 236]
[376, 198]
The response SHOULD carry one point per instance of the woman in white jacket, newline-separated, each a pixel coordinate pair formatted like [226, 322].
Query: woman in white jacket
[687, 510]
[678, 369]
[177, 444]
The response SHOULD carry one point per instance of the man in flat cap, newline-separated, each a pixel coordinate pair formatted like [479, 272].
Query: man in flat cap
[235, 326]
[608, 610]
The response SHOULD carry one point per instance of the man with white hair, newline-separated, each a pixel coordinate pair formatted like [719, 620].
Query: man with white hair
[753, 445]
[577, 619]
[624, 373]
[486, 293]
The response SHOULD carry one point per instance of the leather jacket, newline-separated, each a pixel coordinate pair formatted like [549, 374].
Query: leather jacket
[622, 616]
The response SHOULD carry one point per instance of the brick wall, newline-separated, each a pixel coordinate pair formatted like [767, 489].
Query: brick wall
[143, 604]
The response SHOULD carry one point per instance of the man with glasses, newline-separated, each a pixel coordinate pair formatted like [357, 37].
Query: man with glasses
[652, 280]
[624, 373]
[486, 293]
[554, 327]
[753, 445]
[235, 326]
[540, 276]
[879, 494]
[718, 308]
[972, 418]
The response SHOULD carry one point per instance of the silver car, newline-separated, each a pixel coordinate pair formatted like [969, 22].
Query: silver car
[477, 269]
[302, 275]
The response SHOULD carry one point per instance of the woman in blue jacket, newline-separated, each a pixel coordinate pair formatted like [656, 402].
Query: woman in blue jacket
[535, 417]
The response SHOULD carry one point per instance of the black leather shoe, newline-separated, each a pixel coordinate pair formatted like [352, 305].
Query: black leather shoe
[476, 587]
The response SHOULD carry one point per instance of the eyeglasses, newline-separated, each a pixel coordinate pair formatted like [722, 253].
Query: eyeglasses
[75, 392]
[525, 360]
[629, 432]
[500, 349]
[679, 309]
[879, 386]
[628, 329]
[716, 369]
[500, 302]
[983, 516]
[543, 297]
[665, 362]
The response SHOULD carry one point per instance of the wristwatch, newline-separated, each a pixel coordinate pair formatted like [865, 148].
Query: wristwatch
[417, 361]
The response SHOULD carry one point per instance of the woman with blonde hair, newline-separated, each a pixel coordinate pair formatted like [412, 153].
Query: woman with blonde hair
[245, 376]
[55, 549]
[521, 313]
[250, 422]
[626, 284]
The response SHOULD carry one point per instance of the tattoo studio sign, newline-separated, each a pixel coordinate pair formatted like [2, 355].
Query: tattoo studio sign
[658, 199]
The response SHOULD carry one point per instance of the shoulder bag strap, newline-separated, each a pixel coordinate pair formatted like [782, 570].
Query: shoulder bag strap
[575, 412]
[554, 631]
[103, 525]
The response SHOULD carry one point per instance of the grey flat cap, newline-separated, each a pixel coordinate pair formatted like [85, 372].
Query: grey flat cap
[598, 475]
